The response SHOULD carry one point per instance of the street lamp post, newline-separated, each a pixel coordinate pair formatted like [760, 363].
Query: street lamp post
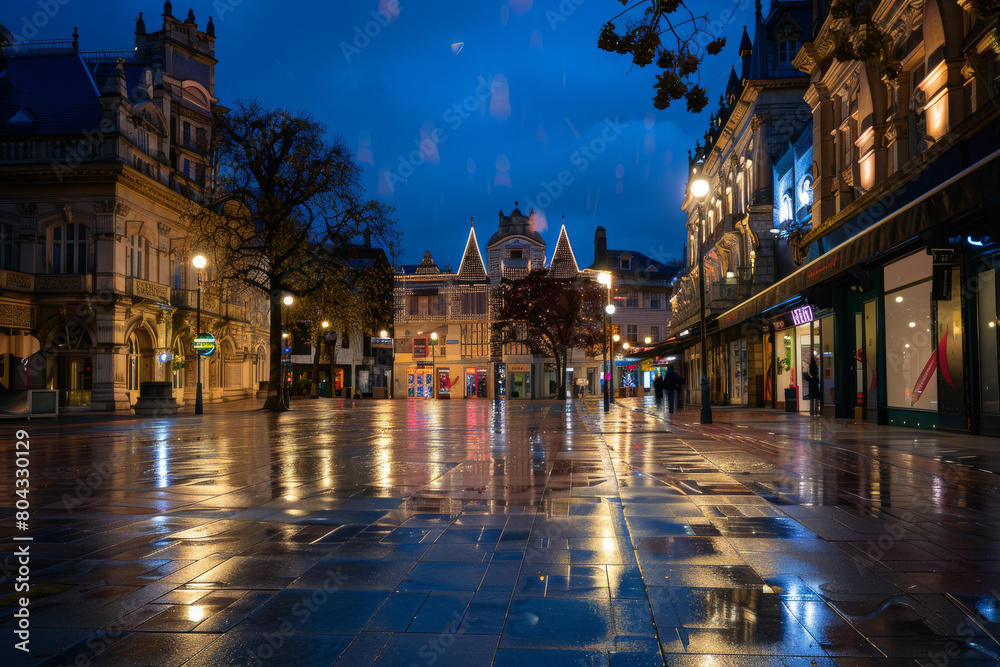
[604, 278]
[434, 379]
[286, 390]
[199, 263]
[699, 188]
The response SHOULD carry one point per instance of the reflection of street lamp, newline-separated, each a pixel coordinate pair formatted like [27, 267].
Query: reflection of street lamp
[434, 340]
[286, 390]
[604, 278]
[199, 263]
[699, 188]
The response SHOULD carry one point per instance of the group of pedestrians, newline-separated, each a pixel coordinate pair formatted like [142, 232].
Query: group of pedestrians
[669, 384]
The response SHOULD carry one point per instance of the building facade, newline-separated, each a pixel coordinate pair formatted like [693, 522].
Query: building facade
[892, 287]
[640, 291]
[101, 155]
[444, 345]
[737, 233]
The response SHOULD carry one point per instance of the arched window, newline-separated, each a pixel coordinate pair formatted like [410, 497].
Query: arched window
[132, 363]
[6, 246]
[785, 211]
[138, 256]
[69, 249]
[806, 191]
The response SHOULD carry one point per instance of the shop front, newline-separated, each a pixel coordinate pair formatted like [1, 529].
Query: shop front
[800, 337]
[476, 382]
[985, 369]
[420, 381]
[518, 381]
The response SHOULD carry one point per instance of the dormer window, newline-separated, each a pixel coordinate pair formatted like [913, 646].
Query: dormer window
[516, 254]
[787, 48]
[625, 263]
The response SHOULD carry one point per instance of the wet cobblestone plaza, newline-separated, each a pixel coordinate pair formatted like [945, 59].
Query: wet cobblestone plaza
[532, 533]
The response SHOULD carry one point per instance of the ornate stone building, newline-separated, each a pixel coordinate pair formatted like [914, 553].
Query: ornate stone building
[464, 360]
[893, 289]
[761, 115]
[101, 154]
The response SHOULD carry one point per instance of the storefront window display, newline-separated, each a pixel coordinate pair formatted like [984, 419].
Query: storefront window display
[910, 354]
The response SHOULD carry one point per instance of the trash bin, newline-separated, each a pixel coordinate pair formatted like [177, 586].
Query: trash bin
[791, 399]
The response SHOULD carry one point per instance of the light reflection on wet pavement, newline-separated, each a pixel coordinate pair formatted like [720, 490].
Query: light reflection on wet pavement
[470, 533]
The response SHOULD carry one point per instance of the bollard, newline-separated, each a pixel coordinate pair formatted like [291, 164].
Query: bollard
[706, 402]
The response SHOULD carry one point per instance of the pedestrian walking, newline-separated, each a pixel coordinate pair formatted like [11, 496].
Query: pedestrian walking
[658, 389]
[815, 394]
[672, 382]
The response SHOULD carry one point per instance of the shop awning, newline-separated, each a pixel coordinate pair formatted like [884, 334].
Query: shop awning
[21, 345]
[937, 207]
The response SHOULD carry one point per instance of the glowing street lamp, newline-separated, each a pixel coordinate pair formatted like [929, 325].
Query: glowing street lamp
[286, 390]
[699, 188]
[199, 263]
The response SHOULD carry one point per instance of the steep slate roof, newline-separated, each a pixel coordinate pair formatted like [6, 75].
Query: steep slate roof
[640, 263]
[472, 266]
[563, 264]
[58, 92]
[427, 266]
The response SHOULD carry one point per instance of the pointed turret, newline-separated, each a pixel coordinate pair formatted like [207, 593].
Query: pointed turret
[733, 88]
[758, 61]
[746, 52]
[563, 264]
[472, 267]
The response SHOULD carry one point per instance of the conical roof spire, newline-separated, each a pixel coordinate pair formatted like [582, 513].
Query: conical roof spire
[563, 264]
[472, 267]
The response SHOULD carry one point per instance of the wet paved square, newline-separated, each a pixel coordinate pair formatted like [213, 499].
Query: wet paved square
[474, 533]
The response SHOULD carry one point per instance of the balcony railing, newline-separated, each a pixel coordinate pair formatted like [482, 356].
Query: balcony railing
[724, 295]
[188, 298]
[78, 282]
[145, 289]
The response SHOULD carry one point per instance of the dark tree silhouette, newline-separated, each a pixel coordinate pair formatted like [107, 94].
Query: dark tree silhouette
[671, 34]
[285, 210]
[551, 316]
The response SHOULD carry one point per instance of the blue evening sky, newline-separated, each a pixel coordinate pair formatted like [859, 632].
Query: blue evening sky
[522, 100]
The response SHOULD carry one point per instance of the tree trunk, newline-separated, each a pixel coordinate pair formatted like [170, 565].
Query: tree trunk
[275, 400]
[314, 389]
[561, 373]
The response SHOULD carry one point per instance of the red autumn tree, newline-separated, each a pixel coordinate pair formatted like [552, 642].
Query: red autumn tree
[551, 316]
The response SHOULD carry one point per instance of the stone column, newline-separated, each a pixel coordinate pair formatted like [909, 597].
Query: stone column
[108, 392]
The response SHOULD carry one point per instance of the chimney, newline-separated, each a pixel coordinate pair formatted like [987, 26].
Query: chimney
[601, 248]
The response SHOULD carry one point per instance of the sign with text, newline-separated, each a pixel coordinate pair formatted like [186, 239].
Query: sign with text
[382, 343]
[204, 344]
[802, 315]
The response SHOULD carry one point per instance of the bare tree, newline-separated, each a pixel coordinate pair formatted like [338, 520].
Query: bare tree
[551, 316]
[284, 210]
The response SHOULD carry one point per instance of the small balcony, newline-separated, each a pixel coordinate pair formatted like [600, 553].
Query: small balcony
[144, 289]
[63, 282]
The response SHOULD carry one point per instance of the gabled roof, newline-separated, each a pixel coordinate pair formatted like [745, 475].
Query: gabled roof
[563, 264]
[640, 264]
[472, 267]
